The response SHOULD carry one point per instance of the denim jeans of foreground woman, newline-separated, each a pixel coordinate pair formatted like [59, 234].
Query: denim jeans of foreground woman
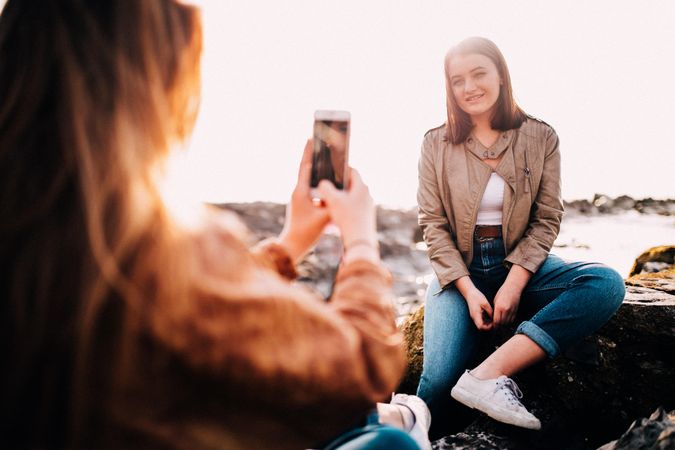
[562, 303]
[372, 435]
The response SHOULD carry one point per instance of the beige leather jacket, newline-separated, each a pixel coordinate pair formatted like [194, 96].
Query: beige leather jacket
[452, 179]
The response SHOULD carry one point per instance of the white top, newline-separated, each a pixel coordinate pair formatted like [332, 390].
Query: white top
[490, 209]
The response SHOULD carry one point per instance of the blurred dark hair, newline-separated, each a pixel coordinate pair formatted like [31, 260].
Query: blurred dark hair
[94, 93]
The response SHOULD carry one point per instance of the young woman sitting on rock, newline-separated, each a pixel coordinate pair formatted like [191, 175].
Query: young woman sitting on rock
[124, 328]
[490, 208]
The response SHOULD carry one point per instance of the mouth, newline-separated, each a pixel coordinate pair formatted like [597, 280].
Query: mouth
[474, 98]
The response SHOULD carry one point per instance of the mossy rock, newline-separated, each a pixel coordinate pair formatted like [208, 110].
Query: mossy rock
[413, 332]
[660, 281]
[663, 253]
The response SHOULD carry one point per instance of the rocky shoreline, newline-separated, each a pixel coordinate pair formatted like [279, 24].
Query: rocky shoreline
[402, 247]
[603, 204]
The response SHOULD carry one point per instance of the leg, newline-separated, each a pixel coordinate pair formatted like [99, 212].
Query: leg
[373, 436]
[450, 338]
[568, 301]
[511, 357]
[378, 438]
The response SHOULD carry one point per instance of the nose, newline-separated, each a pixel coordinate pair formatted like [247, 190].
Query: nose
[469, 85]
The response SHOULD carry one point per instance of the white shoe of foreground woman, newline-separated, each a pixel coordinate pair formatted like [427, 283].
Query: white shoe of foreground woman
[499, 398]
[418, 421]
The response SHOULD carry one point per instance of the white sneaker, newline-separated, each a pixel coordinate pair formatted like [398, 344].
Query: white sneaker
[497, 397]
[420, 429]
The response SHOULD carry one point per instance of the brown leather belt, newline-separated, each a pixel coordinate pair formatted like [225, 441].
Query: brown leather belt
[487, 231]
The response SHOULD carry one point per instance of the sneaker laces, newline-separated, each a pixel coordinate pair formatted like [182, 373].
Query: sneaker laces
[510, 390]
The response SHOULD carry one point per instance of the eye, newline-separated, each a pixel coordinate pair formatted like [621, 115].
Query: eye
[457, 82]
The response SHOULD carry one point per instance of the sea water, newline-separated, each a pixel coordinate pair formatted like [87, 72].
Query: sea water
[615, 239]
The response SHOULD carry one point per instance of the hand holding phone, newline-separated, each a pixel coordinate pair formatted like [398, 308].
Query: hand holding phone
[331, 149]
[353, 213]
[304, 221]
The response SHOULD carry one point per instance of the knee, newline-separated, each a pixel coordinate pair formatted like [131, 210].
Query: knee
[609, 287]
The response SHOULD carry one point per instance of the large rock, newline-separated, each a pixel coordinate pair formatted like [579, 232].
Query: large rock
[625, 370]
[656, 433]
[663, 281]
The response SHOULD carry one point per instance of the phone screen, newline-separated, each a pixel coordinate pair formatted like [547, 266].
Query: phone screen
[331, 148]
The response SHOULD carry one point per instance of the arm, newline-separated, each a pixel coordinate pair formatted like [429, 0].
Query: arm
[546, 213]
[445, 258]
[278, 347]
[507, 299]
[532, 250]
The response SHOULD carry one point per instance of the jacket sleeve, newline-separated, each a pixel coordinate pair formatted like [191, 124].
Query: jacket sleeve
[445, 258]
[279, 347]
[546, 213]
[269, 253]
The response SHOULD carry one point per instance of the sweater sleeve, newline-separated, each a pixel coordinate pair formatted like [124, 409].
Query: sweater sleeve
[279, 346]
[273, 255]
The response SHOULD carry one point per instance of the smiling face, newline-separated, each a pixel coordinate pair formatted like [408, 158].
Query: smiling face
[475, 83]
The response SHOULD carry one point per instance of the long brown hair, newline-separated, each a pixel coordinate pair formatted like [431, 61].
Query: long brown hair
[94, 94]
[508, 115]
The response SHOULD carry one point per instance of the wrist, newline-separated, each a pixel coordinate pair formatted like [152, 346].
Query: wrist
[466, 287]
[517, 278]
[365, 242]
[367, 249]
[474, 296]
[291, 245]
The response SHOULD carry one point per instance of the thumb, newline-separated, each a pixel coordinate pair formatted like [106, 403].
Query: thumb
[326, 190]
[488, 309]
[304, 173]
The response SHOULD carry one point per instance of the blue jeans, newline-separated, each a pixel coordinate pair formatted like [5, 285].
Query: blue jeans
[373, 436]
[562, 303]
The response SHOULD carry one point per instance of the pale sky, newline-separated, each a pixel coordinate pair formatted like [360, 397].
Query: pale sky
[602, 73]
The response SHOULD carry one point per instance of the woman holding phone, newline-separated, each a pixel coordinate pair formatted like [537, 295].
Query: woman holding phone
[490, 208]
[124, 327]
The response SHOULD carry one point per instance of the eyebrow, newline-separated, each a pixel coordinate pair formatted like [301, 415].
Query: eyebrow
[472, 70]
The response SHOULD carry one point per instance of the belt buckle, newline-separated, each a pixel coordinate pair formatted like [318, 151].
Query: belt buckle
[483, 238]
[479, 238]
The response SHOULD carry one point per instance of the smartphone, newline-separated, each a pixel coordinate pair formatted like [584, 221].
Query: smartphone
[331, 149]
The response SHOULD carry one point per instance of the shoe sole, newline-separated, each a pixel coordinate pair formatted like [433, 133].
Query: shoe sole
[501, 415]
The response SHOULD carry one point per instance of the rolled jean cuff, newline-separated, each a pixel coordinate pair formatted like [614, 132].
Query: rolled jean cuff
[540, 337]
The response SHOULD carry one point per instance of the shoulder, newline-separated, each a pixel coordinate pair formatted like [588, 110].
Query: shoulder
[435, 137]
[438, 135]
[438, 131]
[220, 241]
[433, 144]
[536, 128]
